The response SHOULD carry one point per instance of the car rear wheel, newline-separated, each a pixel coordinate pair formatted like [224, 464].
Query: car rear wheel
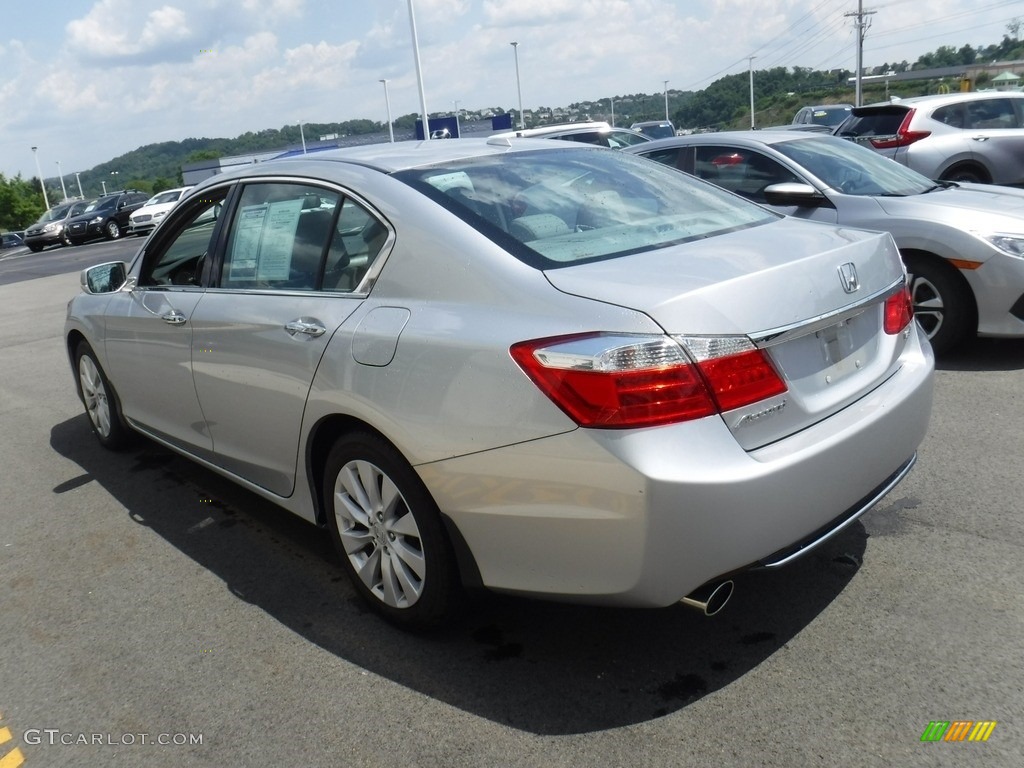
[967, 173]
[113, 230]
[100, 400]
[941, 302]
[388, 532]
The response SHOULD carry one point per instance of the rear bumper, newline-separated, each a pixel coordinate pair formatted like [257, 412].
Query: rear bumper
[644, 517]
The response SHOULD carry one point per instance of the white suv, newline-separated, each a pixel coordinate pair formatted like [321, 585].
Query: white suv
[975, 137]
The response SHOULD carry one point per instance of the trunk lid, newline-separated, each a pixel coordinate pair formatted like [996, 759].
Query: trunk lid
[810, 295]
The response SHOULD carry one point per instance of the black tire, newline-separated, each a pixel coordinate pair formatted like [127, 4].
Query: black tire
[35, 248]
[112, 230]
[942, 303]
[970, 174]
[100, 400]
[389, 533]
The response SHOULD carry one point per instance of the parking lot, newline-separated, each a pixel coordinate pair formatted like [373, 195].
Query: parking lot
[155, 614]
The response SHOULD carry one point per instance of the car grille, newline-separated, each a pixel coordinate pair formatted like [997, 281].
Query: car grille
[141, 219]
[77, 228]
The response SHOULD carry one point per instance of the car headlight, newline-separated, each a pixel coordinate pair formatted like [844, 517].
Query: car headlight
[158, 215]
[53, 226]
[96, 220]
[1012, 245]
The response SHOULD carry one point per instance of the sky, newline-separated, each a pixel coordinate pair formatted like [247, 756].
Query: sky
[88, 80]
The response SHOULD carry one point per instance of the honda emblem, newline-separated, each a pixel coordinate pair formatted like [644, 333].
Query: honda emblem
[848, 277]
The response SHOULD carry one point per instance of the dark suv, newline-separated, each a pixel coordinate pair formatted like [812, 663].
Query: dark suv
[106, 216]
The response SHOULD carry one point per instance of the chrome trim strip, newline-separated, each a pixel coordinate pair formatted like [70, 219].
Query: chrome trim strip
[785, 333]
[877, 496]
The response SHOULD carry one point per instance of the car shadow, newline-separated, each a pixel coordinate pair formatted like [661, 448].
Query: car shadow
[545, 668]
[981, 354]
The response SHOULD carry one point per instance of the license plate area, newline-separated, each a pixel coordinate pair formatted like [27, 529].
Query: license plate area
[816, 362]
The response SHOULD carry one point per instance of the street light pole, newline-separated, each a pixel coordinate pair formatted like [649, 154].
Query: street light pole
[519, 85]
[612, 102]
[750, 60]
[302, 135]
[39, 173]
[81, 194]
[419, 73]
[115, 174]
[387, 103]
[104, 183]
[666, 101]
[63, 189]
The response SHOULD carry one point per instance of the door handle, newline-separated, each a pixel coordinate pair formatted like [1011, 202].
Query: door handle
[980, 138]
[306, 327]
[174, 317]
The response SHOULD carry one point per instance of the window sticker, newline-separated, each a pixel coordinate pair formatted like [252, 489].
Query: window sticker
[264, 240]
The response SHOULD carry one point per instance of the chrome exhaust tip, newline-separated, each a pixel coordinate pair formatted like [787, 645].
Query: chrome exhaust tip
[711, 598]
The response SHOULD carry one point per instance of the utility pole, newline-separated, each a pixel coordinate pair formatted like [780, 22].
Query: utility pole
[862, 24]
[750, 64]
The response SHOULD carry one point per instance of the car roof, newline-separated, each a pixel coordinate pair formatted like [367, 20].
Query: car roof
[730, 137]
[401, 155]
[944, 98]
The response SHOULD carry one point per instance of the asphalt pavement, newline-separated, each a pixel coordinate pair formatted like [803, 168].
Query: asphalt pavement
[147, 600]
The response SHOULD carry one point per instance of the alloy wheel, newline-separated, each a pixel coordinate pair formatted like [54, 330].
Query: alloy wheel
[379, 534]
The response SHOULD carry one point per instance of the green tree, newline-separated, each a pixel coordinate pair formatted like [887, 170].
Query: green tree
[21, 202]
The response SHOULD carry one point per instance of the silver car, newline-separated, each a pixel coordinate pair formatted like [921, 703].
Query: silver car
[963, 243]
[542, 368]
[974, 137]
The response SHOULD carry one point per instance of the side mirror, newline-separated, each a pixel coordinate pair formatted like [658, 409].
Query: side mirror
[104, 278]
[790, 193]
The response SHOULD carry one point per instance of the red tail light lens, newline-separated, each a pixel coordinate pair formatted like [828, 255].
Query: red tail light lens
[904, 136]
[899, 311]
[618, 382]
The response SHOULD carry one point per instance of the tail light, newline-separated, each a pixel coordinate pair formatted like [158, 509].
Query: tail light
[904, 136]
[618, 382]
[899, 311]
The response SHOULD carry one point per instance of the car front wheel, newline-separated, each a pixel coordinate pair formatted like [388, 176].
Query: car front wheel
[101, 404]
[941, 302]
[112, 230]
[388, 532]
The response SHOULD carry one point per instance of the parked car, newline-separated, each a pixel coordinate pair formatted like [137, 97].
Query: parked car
[830, 115]
[597, 133]
[50, 229]
[105, 216]
[145, 219]
[962, 243]
[552, 370]
[11, 240]
[655, 129]
[975, 137]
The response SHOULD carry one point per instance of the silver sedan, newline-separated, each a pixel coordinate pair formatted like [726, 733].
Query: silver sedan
[963, 243]
[542, 368]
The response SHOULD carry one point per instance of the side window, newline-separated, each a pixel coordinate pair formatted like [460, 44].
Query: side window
[178, 257]
[279, 237]
[991, 114]
[742, 171]
[674, 157]
[356, 242]
[951, 115]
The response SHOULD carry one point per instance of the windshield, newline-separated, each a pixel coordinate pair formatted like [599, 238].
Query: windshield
[853, 169]
[55, 214]
[164, 197]
[555, 208]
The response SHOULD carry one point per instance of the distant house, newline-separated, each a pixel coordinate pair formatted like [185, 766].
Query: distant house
[1006, 81]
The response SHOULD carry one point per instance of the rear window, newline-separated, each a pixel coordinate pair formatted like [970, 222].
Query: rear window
[881, 121]
[555, 208]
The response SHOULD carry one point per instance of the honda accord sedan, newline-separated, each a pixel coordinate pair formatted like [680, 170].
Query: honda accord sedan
[546, 369]
[962, 243]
